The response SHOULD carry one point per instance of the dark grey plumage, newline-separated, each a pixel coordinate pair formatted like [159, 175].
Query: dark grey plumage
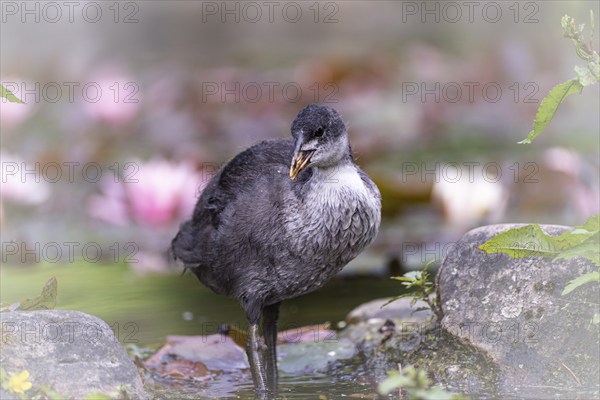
[263, 234]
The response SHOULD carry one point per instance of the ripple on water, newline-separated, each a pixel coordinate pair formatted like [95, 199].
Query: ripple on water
[240, 386]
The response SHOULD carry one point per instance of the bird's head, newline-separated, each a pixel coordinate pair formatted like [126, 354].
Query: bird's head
[321, 139]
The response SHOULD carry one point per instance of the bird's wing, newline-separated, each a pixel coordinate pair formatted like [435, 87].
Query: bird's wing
[240, 176]
[194, 243]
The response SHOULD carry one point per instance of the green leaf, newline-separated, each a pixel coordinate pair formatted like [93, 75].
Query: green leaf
[583, 241]
[530, 240]
[589, 249]
[433, 393]
[394, 381]
[97, 396]
[581, 280]
[403, 278]
[429, 264]
[592, 224]
[402, 296]
[522, 242]
[549, 105]
[421, 309]
[417, 385]
[8, 95]
[45, 301]
[50, 394]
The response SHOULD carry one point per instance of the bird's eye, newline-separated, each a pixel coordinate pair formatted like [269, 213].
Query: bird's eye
[319, 132]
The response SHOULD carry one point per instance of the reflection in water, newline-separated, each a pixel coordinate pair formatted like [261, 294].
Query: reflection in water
[290, 387]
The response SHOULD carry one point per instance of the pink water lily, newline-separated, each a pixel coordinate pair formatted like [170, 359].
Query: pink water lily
[156, 193]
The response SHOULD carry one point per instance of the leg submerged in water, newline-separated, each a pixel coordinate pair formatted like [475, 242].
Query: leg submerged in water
[270, 317]
[262, 352]
[254, 349]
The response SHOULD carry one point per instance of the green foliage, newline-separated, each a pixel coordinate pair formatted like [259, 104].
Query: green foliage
[120, 393]
[584, 76]
[98, 396]
[590, 277]
[421, 281]
[549, 105]
[530, 240]
[3, 379]
[45, 393]
[583, 241]
[584, 50]
[417, 385]
[45, 301]
[8, 95]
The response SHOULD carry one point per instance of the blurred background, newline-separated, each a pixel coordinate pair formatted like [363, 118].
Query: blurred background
[133, 106]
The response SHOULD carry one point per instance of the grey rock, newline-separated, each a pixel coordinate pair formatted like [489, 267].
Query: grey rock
[382, 337]
[4, 395]
[313, 357]
[398, 310]
[69, 352]
[512, 310]
[381, 344]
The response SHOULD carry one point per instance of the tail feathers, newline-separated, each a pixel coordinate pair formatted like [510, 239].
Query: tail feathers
[184, 246]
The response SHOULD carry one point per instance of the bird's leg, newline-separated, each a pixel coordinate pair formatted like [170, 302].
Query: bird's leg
[254, 349]
[270, 316]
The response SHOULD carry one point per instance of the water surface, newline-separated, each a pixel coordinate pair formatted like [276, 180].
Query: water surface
[144, 309]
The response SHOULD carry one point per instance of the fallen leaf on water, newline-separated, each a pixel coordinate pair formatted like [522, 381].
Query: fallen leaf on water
[216, 352]
[184, 369]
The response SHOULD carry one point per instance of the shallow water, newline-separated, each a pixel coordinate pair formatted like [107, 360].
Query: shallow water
[290, 387]
[144, 309]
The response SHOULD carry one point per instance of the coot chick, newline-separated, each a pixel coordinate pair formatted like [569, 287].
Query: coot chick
[278, 221]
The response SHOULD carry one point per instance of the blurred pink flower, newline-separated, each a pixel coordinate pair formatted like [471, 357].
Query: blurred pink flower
[111, 205]
[111, 96]
[158, 193]
[19, 184]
